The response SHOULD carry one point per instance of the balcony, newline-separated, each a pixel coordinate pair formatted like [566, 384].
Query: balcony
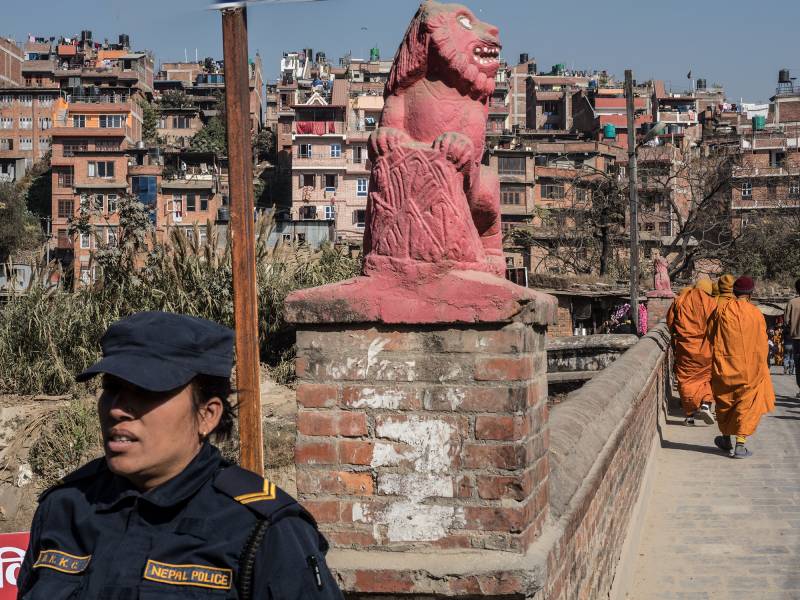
[98, 99]
[318, 128]
[6, 178]
[689, 118]
[751, 171]
[498, 109]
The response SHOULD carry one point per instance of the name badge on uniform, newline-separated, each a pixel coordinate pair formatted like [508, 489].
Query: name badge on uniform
[195, 575]
[62, 561]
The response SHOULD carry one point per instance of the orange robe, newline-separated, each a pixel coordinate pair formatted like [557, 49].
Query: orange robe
[688, 321]
[740, 376]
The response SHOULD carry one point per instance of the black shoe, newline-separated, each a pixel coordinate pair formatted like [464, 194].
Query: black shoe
[723, 442]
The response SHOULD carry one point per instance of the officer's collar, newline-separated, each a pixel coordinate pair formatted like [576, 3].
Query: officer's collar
[169, 493]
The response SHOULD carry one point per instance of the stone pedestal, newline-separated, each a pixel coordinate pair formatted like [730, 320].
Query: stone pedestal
[426, 436]
[658, 303]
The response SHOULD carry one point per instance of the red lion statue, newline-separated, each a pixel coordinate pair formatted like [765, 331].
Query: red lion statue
[432, 206]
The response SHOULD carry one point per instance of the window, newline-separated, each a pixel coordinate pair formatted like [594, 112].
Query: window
[330, 182]
[308, 180]
[106, 146]
[511, 165]
[665, 229]
[162, 122]
[191, 202]
[111, 121]
[26, 123]
[65, 177]
[98, 202]
[305, 151]
[26, 100]
[103, 169]
[772, 189]
[286, 127]
[26, 143]
[6, 99]
[747, 189]
[66, 208]
[79, 120]
[550, 107]
[181, 122]
[177, 208]
[359, 154]
[336, 150]
[73, 146]
[330, 213]
[6, 123]
[86, 241]
[87, 274]
[308, 213]
[360, 218]
[111, 236]
[203, 201]
[582, 194]
[44, 143]
[794, 188]
[362, 185]
[112, 203]
[512, 195]
[45, 123]
[144, 188]
[62, 237]
[6, 144]
[45, 101]
[553, 191]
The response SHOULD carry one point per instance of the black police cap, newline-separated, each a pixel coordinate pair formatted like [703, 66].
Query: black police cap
[160, 351]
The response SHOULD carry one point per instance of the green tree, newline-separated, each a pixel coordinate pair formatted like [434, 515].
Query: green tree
[768, 249]
[176, 99]
[38, 185]
[264, 144]
[150, 117]
[213, 137]
[19, 228]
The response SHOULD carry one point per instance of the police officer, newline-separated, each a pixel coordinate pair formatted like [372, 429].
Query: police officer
[163, 515]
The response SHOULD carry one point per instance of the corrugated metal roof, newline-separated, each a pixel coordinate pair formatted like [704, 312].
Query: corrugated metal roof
[180, 184]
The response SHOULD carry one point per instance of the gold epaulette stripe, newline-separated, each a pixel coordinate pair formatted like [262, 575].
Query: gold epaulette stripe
[268, 493]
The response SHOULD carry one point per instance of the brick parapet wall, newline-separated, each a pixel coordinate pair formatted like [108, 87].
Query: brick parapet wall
[429, 438]
[595, 484]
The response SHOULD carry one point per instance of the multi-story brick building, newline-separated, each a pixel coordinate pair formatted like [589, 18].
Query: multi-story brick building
[10, 63]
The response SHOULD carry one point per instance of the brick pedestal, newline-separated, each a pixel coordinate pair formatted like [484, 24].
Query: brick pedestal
[423, 438]
[658, 304]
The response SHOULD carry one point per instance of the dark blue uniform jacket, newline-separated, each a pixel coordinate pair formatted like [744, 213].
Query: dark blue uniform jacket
[96, 537]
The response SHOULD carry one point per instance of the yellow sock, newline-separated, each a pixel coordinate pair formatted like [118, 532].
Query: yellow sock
[741, 439]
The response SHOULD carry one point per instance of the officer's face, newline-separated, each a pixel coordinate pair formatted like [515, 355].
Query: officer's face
[149, 437]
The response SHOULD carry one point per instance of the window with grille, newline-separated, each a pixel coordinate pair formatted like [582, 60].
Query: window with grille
[747, 189]
[65, 177]
[111, 121]
[66, 208]
[511, 165]
[103, 169]
[553, 191]
[512, 195]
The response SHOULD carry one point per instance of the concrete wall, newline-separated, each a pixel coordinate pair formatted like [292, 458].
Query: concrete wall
[581, 354]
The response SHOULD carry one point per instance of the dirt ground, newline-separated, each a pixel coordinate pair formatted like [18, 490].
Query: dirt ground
[23, 418]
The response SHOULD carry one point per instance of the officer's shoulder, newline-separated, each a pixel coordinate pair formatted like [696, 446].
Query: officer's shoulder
[82, 475]
[258, 494]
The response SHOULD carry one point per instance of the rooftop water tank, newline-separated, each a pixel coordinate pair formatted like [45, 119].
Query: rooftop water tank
[759, 122]
[784, 76]
[374, 55]
[523, 58]
[701, 84]
[610, 131]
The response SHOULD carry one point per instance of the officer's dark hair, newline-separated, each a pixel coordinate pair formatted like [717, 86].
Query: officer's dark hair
[206, 387]
[797, 286]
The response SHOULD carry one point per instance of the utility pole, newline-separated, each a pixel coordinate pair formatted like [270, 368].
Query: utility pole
[634, 198]
[242, 232]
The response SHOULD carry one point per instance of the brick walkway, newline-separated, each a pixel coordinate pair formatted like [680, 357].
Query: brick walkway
[722, 528]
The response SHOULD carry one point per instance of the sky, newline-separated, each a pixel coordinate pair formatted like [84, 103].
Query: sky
[740, 44]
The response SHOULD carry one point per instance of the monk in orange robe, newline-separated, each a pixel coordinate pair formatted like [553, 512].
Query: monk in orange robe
[688, 320]
[725, 287]
[740, 376]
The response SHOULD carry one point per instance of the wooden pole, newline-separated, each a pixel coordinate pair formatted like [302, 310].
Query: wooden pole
[242, 232]
[634, 199]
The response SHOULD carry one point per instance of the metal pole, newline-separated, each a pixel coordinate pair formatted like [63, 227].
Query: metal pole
[242, 232]
[634, 208]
